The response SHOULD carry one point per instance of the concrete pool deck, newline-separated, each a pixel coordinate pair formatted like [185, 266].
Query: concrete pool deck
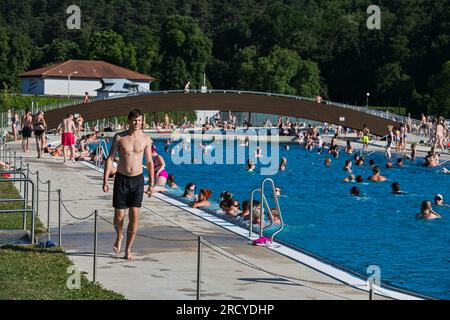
[166, 253]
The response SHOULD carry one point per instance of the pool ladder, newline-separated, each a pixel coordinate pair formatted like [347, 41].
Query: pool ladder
[265, 203]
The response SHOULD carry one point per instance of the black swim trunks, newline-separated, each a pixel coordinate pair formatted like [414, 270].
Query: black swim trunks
[39, 133]
[26, 132]
[128, 191]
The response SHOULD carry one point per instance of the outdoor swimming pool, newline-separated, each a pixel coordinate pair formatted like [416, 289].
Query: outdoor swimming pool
[321, 217]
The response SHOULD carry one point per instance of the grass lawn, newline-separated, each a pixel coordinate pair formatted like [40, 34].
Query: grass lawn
[28, 273]
[33, 273]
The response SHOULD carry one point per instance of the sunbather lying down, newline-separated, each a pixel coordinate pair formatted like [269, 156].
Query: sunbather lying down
[5, 166]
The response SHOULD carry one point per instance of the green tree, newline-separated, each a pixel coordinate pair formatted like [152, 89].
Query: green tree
[111, 47]
[186, 51]
[60, 50]
[440, 96]
[281, 71]
[276, 71]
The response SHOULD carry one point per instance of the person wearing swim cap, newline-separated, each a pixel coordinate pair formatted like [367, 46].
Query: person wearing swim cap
[439, 200]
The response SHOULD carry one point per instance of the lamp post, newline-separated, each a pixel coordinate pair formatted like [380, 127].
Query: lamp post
[367, 100]
[68, 84]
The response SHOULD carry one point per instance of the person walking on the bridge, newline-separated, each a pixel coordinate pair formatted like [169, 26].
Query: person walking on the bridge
[187, 86]
[86, 98]
[131, 145]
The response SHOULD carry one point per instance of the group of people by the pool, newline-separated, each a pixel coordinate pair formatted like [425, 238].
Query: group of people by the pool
[230, 207]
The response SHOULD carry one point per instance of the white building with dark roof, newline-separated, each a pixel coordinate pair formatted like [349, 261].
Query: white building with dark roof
[75, 77]
[119, 87]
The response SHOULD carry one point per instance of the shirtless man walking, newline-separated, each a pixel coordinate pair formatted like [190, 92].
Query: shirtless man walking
[67, 126]
[27, 130]
[129, 180]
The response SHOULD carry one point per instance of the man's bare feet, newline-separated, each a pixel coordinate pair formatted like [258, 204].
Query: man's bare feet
[128, 256]
[118, 245]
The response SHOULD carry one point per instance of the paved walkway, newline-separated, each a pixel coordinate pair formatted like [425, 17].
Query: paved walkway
[166, 255]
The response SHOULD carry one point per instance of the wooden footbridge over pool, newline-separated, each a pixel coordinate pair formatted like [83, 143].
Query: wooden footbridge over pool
[231, 100]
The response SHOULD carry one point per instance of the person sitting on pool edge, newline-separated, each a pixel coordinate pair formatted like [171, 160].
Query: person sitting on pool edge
[376, 177]
[202, 200]
[426, 211]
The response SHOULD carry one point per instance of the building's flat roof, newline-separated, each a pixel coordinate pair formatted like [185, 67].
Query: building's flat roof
[86, 69]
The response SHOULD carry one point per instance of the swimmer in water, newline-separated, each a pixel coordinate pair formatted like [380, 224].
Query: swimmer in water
[258, 152]
[278, 191]
[189, 190]
[348, 166]
[359, 179]
[354, 191]
[372, 163]
[283, 164]
[439, 200]
[286, 147]
[171, 181]
[426, 211]
[400, 162]
[376, 177]
[389, 165]
[348, 148]
[250, 166]
[350, 178]
[327, 162]
[396, 188]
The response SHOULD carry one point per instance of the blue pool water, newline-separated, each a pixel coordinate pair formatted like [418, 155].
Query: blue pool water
[321, 217]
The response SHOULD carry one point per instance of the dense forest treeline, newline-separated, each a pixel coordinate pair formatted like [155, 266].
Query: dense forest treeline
[303, 47]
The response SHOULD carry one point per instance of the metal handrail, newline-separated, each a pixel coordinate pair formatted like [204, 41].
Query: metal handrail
[25, 210]
[264, 202]
[277, 206]
[251, 211]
